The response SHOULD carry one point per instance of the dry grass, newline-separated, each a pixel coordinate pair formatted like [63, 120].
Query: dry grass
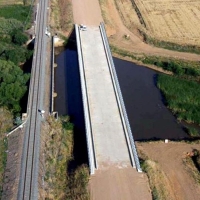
[105, 13]
[128, 14]
[191, 168]
[60, 181]
[174, 21]
[158, 181]
[12, 2]
[61, 16]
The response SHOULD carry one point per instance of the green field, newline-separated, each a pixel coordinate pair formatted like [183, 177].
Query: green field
[182, 97]
[13, 2]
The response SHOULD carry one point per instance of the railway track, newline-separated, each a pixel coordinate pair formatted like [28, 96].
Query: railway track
[28, 184]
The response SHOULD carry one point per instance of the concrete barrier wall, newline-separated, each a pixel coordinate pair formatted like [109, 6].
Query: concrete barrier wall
[122, 109]
[90, 142]
[52, 76]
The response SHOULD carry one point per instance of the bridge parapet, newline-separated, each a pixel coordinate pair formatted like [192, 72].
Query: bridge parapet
[125, 121]
[89, 138]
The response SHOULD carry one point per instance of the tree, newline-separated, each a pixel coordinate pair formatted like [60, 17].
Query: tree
[16, 55]
[18, 37]
[12, 85]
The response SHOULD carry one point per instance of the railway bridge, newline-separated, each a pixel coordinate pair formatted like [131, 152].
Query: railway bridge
[109, 138]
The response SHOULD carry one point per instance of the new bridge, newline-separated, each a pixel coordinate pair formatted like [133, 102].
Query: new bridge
[109, 137]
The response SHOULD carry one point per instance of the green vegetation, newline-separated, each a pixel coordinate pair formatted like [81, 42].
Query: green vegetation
[181, 91]
[12, 79]
[192, 131]
[178, 67]
[124, 53]
[17, 12]
[170, 45]
[12, 54]
[182, 97]
[62, 181]
[6, 122]
[12, 85]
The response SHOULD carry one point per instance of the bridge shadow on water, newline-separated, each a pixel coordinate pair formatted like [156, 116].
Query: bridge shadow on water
[26, 67]
[69, 97]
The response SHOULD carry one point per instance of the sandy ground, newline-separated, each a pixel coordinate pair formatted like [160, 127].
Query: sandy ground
[170, 158]
[86, 12]
[119, 184]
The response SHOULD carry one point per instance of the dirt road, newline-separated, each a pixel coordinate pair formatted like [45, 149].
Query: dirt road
[119, 184]
[86, 12]
[181, 185]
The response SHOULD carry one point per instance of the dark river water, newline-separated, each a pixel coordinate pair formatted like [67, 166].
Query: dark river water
[148, 116]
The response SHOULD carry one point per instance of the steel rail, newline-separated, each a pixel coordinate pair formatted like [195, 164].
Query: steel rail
[29, 171]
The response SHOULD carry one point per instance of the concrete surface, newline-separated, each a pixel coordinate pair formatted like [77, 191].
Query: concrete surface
[109, 139]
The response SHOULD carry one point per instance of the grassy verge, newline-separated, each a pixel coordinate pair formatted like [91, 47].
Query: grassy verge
[193, 132]
[19, 12]
[61, 17]
[177, 66]
[182, 97]
[63, 180]
[170, 45]
[6, 122]
[157, 179]
[192, 163]
[3, 159]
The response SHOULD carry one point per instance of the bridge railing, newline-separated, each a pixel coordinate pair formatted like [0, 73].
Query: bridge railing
[128, 132]
[90, 142]
[52, 75]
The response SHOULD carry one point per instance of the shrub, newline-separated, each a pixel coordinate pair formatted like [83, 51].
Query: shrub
[19, 38]
[182, 97]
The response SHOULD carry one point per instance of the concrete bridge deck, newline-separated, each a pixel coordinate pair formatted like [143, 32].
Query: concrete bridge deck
[109, 137]
[108, 134]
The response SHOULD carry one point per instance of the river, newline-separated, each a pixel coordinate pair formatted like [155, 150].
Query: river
[148, 116]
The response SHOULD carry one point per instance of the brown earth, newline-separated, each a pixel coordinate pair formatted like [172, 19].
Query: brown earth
[182, 185]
